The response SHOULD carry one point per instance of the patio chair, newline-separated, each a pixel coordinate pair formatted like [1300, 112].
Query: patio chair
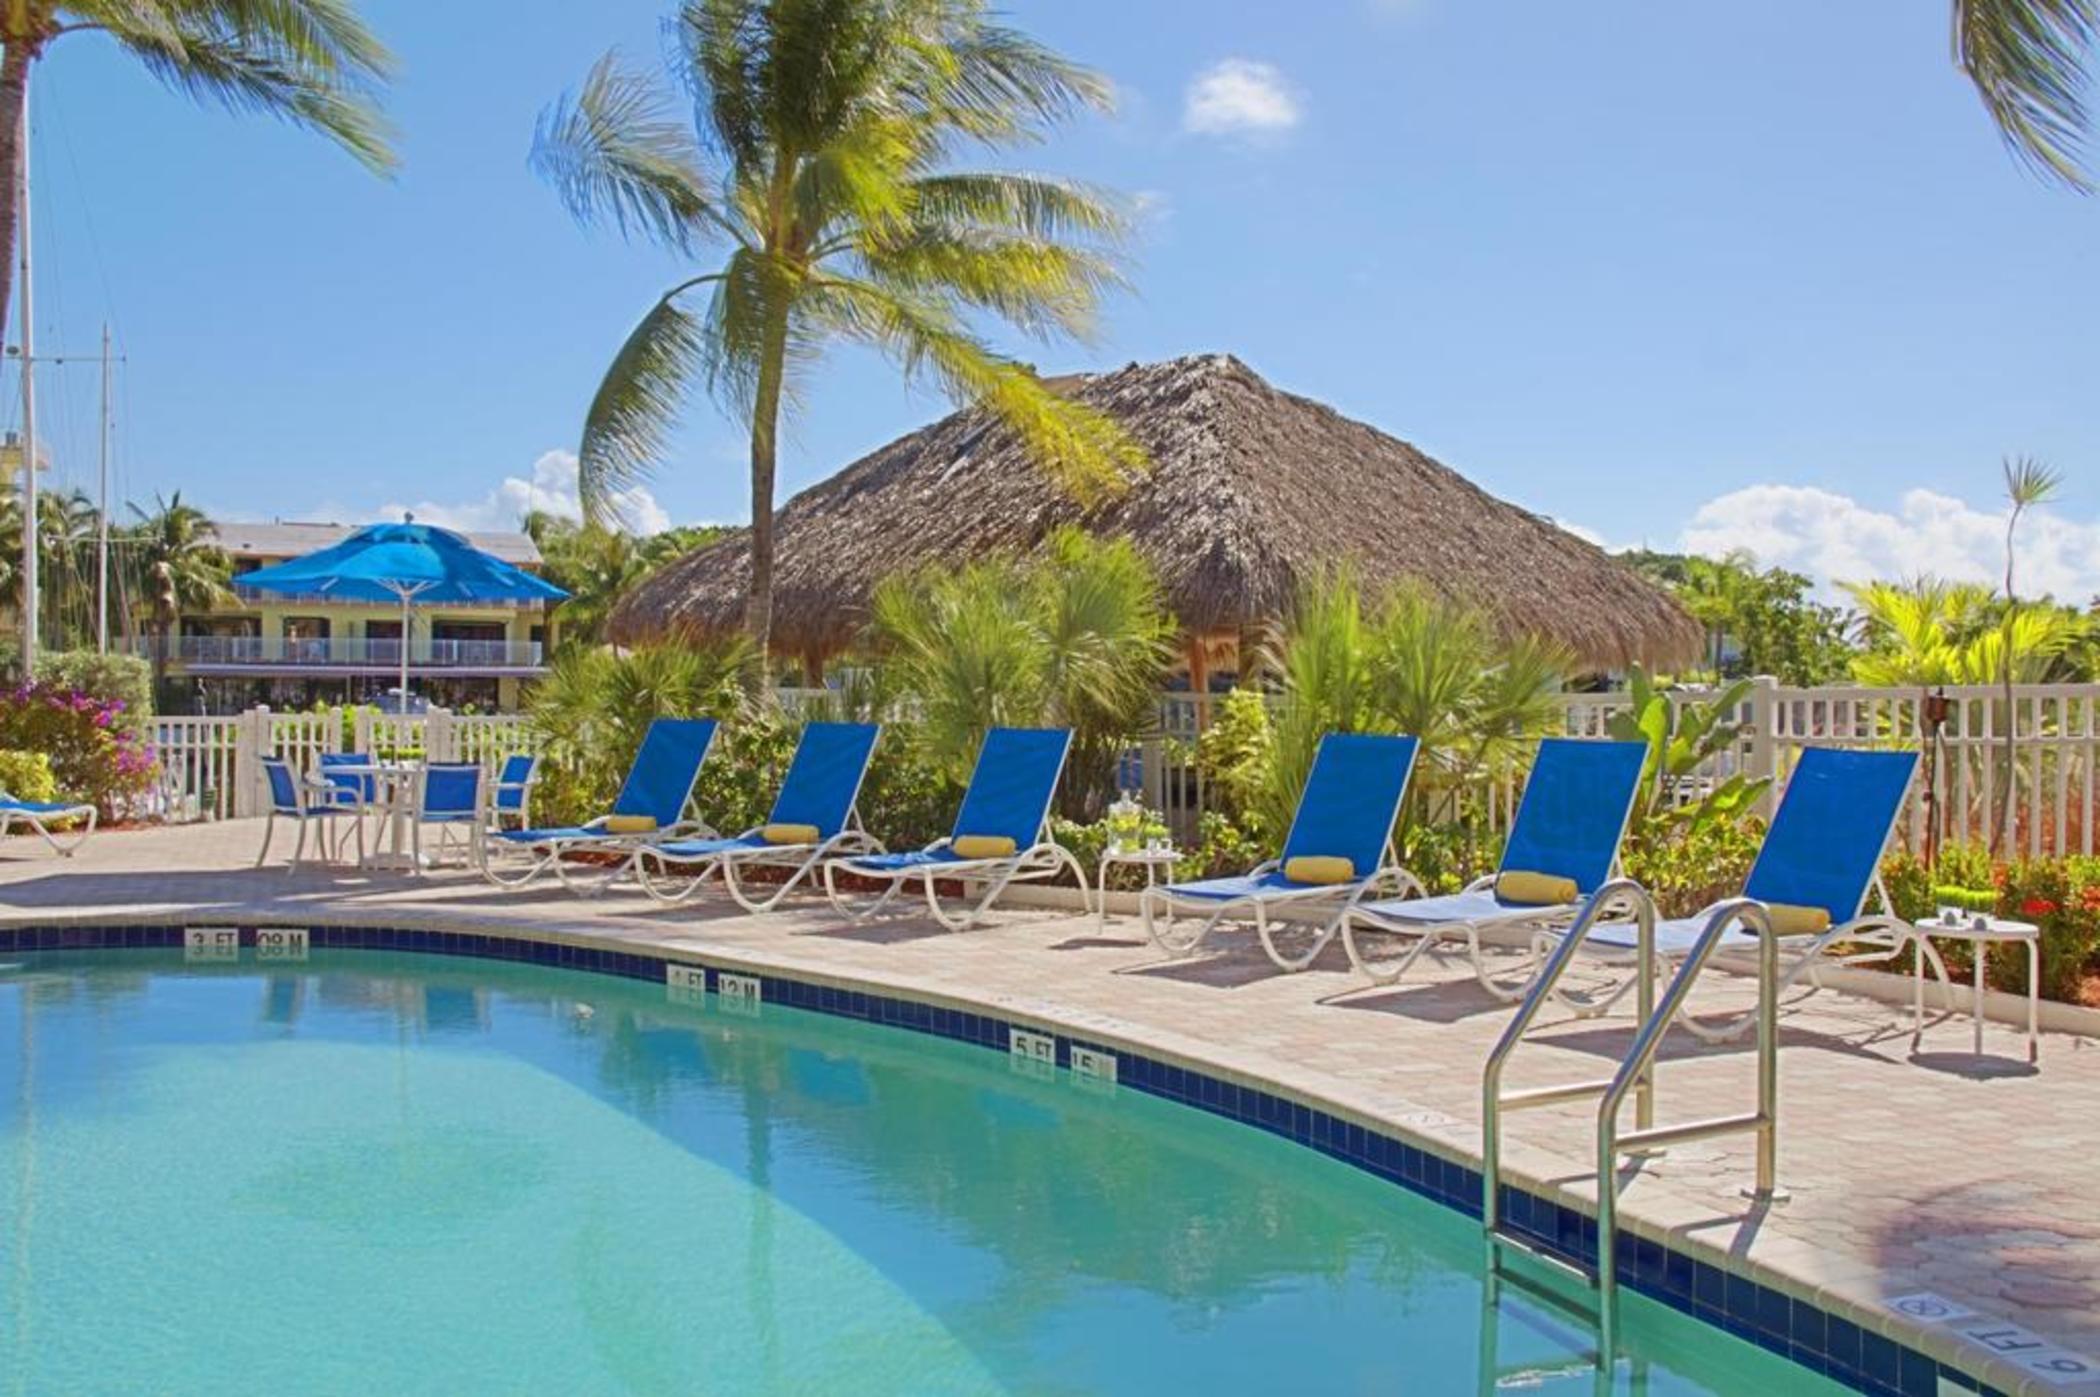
[308, 802]
[1561, 848]
[449, 801]
[513, 790]
[812, 819]
[1001, 834]
[38, 817]
[1338, 849]
[1819, 865]
[650, 809]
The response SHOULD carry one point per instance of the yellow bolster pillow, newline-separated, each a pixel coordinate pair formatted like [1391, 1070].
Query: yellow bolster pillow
[1534, 889]
[790, 834]
[981, 846]
[630, 824]
[1790, 920]
[1319, 868]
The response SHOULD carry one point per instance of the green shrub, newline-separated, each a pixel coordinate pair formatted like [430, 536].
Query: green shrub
[1688, 865]
[95, 754]
[1234, 754]
[122, 679]
[27, 776]
[1448, 856]
[2060, 895]
[1223, 847]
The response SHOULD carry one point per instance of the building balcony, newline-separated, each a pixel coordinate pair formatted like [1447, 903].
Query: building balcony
[251, 654]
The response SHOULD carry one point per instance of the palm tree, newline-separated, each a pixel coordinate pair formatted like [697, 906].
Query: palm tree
[2029, 62]
[2027, 483]
[176, 561]
[820, 162]
[311, 62]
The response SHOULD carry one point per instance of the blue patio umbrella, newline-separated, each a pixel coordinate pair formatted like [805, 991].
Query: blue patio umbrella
[407, 562]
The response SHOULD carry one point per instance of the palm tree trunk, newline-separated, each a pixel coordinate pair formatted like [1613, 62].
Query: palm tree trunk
[14, 98]
[765, 429]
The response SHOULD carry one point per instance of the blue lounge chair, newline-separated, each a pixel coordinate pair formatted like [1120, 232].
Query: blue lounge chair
[658, 787]
[813, 819]
[1820, 863]
[513, 789]
[449, 803]
[1567, 832]
[1001, 835]
[309, 803]
[38, 816]
[1344, 821]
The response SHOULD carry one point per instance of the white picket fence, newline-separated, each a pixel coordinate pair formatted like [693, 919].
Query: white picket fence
[2054, 768]
[211, 767]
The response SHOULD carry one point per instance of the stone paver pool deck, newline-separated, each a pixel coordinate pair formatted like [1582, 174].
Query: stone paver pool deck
[1940, 1174]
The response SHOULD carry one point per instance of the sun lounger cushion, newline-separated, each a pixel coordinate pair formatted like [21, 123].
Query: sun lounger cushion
[42, 807]
[1319, 868]
[1535, 889]
[630, 824]
[790, 834]
[1790, 920]
[981, 846]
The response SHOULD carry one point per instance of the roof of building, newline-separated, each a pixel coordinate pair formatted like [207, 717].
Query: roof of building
[1251, 492]
[277, 539]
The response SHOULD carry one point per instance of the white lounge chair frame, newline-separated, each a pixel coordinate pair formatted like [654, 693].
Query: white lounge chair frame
[1162, 912]
[1040, 860]
[38, 822]
[801, 859]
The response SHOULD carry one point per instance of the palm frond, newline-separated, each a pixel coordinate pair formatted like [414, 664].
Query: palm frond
[2029, 62]
[1036, 206]
[202, 53]
[1084, 450]
[614, 151]
[1041, 287]
[636, 403]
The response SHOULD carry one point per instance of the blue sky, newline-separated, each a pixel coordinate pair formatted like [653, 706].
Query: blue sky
[1705, 275]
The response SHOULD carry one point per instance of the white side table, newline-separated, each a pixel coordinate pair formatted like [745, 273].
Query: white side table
[1153, 861]
[1991, 931]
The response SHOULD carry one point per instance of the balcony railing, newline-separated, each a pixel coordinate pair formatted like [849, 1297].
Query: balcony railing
[263, 650]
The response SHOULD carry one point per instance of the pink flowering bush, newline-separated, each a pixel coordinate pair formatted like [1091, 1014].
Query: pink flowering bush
[99, 752]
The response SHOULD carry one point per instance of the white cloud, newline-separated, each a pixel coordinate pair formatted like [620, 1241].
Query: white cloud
[551, 488]
[1834, 538]
[1239, 97]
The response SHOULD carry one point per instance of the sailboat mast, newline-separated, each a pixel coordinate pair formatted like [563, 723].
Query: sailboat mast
[30, 596]
[102, 508]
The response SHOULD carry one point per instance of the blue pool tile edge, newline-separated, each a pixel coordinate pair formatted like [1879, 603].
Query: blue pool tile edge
[1792, 1328]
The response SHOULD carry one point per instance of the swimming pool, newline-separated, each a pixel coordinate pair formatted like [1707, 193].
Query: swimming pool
[420, 1173]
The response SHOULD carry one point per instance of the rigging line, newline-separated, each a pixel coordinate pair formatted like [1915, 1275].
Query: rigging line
[87, 212]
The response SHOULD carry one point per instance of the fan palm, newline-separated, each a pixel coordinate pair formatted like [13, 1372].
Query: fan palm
[311, 62]
[821, 163]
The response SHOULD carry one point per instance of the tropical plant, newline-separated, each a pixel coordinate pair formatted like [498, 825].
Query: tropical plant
[27, 776]
[1472, 694]
[125, 679]
[177, 563]
[598, 564]
[2028, 60]
[1757, 621]
[310, 62]
[1233, 756]
[593, 706]
[1927, 631]
[1684, 738]
[1077, 637]
[1691, 836]
[820, 158]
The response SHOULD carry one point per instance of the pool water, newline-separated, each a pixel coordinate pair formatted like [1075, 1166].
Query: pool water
[412, 1173]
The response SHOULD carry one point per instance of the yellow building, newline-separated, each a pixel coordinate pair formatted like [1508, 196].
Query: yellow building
[292, 652]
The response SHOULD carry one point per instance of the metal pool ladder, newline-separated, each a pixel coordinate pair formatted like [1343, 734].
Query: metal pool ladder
[1636, 1077]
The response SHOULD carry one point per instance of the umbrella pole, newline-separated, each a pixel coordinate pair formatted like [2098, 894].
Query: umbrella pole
[405, 639]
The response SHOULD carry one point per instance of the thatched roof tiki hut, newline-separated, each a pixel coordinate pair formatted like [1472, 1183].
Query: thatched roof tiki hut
[1252, 490]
